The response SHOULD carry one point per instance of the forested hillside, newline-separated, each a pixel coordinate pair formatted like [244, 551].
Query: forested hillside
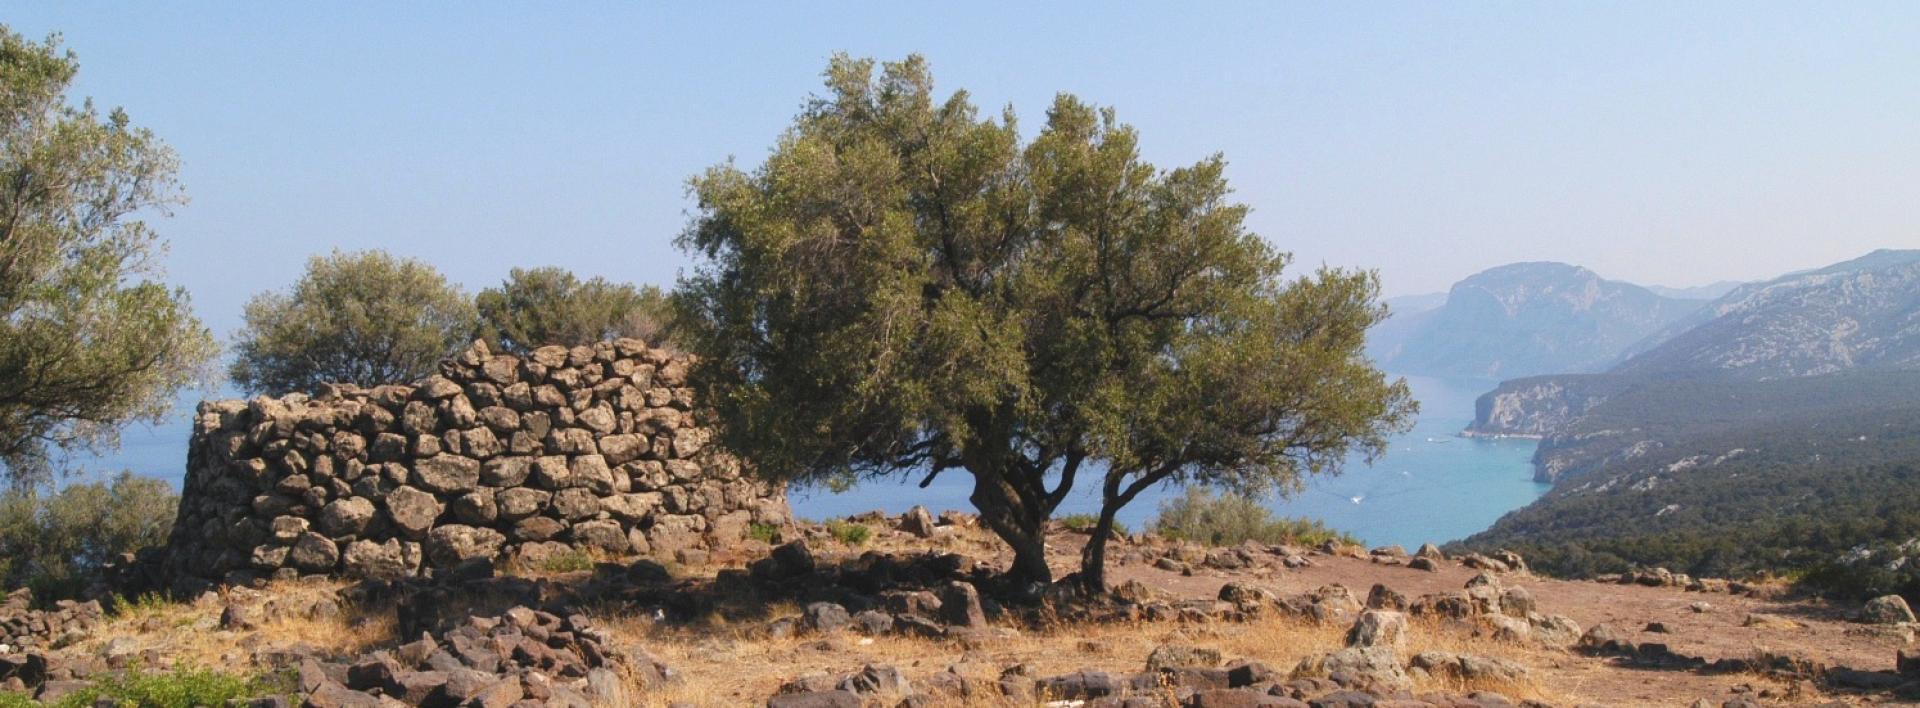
[1723, 478]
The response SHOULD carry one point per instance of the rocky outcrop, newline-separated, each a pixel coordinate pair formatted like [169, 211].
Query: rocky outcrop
[1541, 405]
[23, 628]
[592, 448]
[519, 656]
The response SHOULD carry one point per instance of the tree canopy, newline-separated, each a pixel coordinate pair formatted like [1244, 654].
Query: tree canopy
[541, 306]
[364, 318]
[89, 337]
[903, 287]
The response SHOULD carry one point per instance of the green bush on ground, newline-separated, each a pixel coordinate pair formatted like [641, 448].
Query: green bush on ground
[56, 543]
[188, 687]
[848, 532]
[1203, 516]
[1083, 523]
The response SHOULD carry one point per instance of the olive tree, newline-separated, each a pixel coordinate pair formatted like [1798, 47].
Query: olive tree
[903, 287]
[90, 339]
[364, 318]
[541, 306]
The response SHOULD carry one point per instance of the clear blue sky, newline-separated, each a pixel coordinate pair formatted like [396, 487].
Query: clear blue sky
[1666, 143]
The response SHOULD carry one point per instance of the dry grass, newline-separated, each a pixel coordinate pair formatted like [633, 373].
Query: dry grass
[1426, 634]
[187, 633]
[728, 664]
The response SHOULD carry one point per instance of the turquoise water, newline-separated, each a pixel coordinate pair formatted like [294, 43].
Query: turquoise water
[1431, 486]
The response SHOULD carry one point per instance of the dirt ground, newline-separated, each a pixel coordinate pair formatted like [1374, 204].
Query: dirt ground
[725, 662]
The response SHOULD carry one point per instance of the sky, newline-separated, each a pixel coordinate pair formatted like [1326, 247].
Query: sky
[1662, 143]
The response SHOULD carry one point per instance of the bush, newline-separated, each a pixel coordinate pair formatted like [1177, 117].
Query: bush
[142, 605]
[1227, 519]
[1083, 523]
[188, 687]
[363, 318]
[542, 306]
[56, 544]
[572, 561]
[848, 532]
[766, 533]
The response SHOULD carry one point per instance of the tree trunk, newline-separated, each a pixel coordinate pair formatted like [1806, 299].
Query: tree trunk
[1025, 533]
[1093, 558]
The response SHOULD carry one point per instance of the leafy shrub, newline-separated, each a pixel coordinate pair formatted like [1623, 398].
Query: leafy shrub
[766, 533]
[57, 543]
[139, 606]
[848, 532]
[1227, 519]
[1083, 523]
[571, 561]
[365, 318]
[542, 306]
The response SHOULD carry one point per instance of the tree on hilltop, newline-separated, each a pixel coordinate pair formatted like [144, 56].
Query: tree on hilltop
[364, 318]
[89, 338]
[540, 306]
[905, 288]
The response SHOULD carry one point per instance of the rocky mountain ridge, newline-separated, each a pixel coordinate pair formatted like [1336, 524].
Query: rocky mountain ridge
[1859, 314]
[1523, 319]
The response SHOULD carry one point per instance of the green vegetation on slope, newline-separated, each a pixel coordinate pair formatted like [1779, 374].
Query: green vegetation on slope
[1736, 479]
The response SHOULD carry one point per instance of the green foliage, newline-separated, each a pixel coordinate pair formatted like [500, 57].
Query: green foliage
[1825, 484]
[365, 318]
[1084, 523]
[765, 533]
[140, 605]
[90, 339]
[189, 687]
[55, 543]
[1226, 519]
[573, 560]
[904, 287]
[848, 532]
[542, 306]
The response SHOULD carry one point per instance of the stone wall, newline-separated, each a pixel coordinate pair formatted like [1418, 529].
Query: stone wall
[589, 447]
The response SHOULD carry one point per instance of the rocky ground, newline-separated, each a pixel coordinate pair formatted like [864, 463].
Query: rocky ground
[910, 617]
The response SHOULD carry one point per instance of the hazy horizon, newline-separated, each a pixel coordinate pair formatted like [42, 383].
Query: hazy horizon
[1661, 145]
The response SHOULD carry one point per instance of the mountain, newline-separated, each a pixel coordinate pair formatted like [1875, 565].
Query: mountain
[1862, 313]
[1414, 304]
[1524, 319]
[1858, 314]
[1709, 291]
[1777, 430]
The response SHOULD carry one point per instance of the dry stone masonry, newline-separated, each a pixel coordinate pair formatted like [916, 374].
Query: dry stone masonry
[591, 448]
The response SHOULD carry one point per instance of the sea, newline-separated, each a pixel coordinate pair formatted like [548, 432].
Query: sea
[1431, 486]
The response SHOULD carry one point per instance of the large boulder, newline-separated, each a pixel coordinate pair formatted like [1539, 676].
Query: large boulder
[1379, 628]
[346, 517]
[917, 521]
[314, 552]
[451, 544]
[1166, 657]
[1886, 609]
[447, 474]
[960, 605]
[384, 561]
[412, 511]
